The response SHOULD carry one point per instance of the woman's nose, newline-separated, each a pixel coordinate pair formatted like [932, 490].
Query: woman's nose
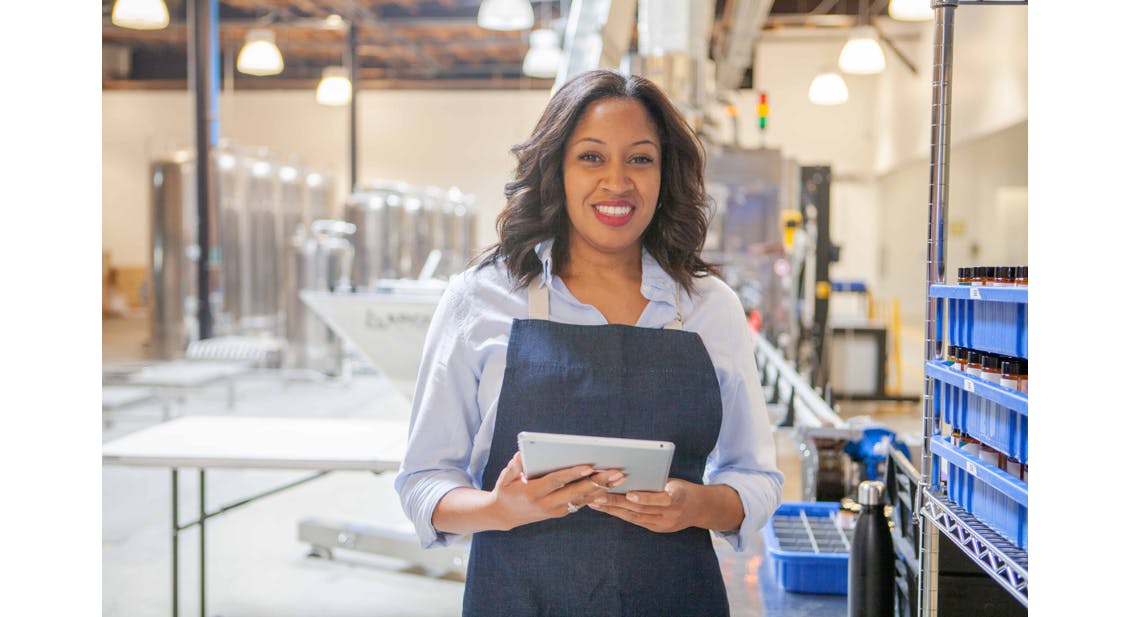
[617, 180]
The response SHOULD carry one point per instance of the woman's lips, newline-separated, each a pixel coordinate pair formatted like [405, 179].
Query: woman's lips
[614, 213]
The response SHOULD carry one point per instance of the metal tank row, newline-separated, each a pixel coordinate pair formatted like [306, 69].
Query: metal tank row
[264, 203]
[405, 231]
[276, 231]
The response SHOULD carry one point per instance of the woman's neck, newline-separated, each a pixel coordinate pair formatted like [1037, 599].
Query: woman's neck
[586, 262]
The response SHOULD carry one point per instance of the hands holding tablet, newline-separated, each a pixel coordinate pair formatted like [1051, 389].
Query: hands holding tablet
[670, 510]
[522, 500]
[679, 505]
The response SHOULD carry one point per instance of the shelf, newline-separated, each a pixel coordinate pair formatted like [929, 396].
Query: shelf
[1000, 481]
[1002, 561]
[1017, 295]
[1016, 401]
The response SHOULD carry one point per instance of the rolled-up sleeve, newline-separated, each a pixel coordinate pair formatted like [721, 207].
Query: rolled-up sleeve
[745, 456]
[445, 417]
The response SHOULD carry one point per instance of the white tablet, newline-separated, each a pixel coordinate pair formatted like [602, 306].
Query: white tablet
[645, 463]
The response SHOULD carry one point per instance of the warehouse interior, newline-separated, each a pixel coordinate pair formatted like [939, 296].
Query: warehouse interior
[436, 101]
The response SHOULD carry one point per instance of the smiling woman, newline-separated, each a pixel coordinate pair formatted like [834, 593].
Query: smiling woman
[593, 315]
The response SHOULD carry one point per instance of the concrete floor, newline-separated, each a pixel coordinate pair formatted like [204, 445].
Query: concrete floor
[256, 564]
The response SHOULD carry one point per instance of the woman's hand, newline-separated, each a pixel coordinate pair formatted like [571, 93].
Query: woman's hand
[673, 509]
[519, 501]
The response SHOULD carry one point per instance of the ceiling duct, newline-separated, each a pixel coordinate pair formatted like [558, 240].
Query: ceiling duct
[673, 42]
[597, 36]
[733, 45]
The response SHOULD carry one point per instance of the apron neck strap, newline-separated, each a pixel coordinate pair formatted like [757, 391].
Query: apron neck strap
[539, 300]
[539, 305]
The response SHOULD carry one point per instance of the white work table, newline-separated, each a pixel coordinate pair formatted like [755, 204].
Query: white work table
[207, 442]
[321, 444]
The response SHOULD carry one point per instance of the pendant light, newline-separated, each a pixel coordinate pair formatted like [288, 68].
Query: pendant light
[260, 55]
[335, 89]
[544, 57]
[506, 14]
[828, 88]
[862, 55]
[910, 10]
[140, 14]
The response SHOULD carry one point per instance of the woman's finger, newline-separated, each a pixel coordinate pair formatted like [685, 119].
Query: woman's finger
[561, 478]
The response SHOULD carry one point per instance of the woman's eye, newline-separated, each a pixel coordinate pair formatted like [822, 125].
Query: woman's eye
[642, 159]
[590, 157]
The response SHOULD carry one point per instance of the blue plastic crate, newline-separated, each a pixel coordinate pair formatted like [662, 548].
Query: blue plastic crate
[986, 411]
[991, 495]
[992, 319]
[808, 549]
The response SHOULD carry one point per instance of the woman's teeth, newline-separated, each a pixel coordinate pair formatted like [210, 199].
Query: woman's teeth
[614, 210]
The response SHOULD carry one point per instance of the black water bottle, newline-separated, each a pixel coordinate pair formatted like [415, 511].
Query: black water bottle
[871, 565]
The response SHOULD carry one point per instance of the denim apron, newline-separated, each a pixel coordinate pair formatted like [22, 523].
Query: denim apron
[613, 381]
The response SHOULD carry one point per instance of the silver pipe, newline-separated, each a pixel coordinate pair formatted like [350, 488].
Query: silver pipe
[935, 271]
[805, 395]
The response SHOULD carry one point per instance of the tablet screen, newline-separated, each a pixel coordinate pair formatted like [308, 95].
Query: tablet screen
[645, 463]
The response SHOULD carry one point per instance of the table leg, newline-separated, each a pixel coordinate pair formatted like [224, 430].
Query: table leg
[202, 559]
[176, 544]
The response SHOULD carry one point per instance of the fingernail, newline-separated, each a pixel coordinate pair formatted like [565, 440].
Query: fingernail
[600, 501]
[633, 497]
[617, 482]
[524, 481]
[595, 506]
[616, 477]
[588, 473]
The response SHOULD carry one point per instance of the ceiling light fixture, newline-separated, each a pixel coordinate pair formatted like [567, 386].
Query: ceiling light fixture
[506, 14]
[140, 14]
[260, 55]
[335, 88]
[862, 55]
[828, 88]
[910, 10]
[544, 57]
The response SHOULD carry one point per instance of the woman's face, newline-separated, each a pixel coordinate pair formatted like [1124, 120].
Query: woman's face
[611, 170]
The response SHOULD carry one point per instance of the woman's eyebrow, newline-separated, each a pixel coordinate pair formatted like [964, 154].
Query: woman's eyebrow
[634, 143]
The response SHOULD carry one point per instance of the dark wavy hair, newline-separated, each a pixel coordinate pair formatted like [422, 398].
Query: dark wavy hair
[535, 200]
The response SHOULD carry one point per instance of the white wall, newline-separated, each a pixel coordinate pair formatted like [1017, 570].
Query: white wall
[421, 137]
[989, 84]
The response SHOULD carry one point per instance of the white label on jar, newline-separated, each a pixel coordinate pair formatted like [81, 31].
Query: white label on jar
[971, 468]
[1008, 383]
[968, 385]
[975, 293]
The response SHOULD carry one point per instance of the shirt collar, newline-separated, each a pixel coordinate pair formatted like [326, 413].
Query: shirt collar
[656, 284]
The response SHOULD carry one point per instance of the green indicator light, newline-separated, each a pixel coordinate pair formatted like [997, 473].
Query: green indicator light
[761, 123]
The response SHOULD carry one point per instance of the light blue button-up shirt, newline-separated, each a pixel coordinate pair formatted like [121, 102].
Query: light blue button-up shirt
[464, 358]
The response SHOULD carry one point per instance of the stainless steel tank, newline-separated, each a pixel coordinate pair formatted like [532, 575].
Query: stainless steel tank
[172, 262]
[318, 259]
[261, 248]
[375, 214]
[433, 233]
[231, 180]
[320, 202]
[414, 237]
[459, 238]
